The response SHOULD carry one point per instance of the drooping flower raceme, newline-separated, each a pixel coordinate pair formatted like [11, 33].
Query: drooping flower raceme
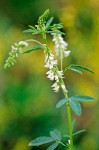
[54, 73]
[60, 46]
[17, 49]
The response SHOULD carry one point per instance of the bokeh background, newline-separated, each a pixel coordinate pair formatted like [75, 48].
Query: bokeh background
[27, 102]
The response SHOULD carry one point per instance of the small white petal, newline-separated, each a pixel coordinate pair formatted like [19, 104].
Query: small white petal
[23, 43]
[55, 87]
[64, 87]
[69, 142]
[56, 78]
[67, 53]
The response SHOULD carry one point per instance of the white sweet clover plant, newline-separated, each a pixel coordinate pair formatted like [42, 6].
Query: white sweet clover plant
[54, 73]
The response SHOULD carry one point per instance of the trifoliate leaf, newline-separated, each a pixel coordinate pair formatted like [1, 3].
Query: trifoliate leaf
[55, 134]
[78, 132]
[75, 105]
[61, 102]
[83, 98]
[36, 47]
[49, 22]
[53, 146]
[41, 140]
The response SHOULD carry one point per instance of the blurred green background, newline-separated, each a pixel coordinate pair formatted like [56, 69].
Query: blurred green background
[27, 102]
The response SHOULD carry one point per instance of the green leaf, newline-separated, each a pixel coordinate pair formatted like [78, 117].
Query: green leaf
[58, 25]
[29, 31]
[36, 32]
[36, 47]
[53, 146]
[55, 26]
[76, 70]
[33, 28]
[81, 67]
[49, 22]
[75, 105]
[32, 31]
[78, 132]
[57, 32]
[41, 140]
[55, 134]
[83, 98]
[61, 102]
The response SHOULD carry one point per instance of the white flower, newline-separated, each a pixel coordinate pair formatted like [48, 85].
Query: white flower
[54, 73]
[60, 46]
[55, 87]
[67, 53]
[23, 43]
[50, 62]
[17, 49]
[64, 87]
[60, 73]
[50, 75]
[57, 78]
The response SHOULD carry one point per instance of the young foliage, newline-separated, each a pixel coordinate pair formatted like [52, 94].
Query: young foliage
[49, 22]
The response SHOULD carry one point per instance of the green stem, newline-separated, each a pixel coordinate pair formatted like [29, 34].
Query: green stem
[31, 40]
[68, 112]
[69, 122]
[70, 125]
[61, 143]
[68, 107]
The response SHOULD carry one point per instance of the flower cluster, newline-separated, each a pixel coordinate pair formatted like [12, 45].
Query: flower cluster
[42, 19]
[17, 49]
[60, 46]
[54, 73]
